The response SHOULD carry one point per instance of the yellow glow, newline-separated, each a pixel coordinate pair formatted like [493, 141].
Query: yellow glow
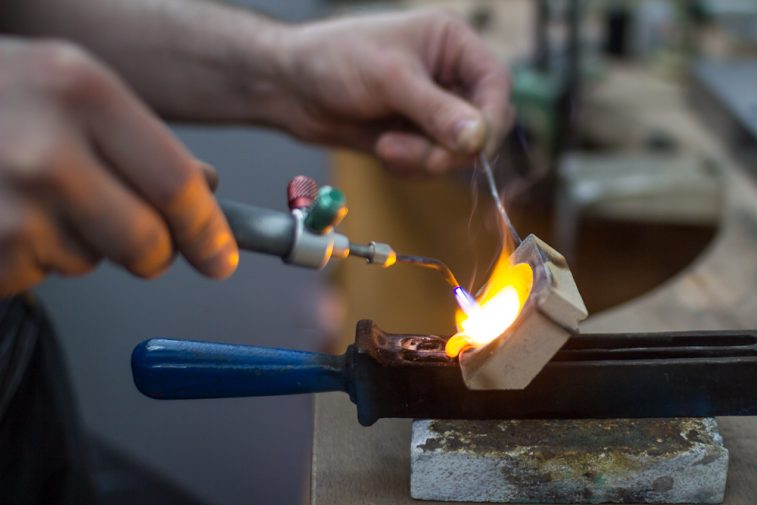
[234, 259]
[498, 307]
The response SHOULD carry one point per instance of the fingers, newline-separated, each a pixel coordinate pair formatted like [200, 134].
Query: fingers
[407, 153]
[33, 243]
[448, 119]
[152, 161]
[59, 248]
[86, 171]
[485, 80]
[18, 268]
[402, 148]
[466, 125]
[67, 210]
[210, 174]
[18, 271]
[107, 215]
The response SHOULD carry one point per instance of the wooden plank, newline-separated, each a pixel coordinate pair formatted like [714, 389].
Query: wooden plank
[739, 436]
[356, 465]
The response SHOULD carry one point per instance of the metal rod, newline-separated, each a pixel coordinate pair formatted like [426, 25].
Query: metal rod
[431, 263]
[497, 200]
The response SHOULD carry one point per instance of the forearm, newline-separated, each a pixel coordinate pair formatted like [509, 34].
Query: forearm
[189, 59]
[417, 89]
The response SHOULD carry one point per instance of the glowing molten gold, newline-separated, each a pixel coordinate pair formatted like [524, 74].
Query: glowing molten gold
[502, 300]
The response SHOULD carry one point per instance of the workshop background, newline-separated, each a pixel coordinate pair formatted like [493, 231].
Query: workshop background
[609, 188]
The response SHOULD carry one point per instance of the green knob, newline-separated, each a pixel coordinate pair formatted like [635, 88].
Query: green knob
[329, 208]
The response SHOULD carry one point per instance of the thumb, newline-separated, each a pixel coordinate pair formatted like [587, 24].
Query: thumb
[448, 119]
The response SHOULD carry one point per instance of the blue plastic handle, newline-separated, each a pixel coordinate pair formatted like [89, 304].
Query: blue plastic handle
[174, 369]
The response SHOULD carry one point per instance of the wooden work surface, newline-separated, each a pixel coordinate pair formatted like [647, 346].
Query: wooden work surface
[353, 465]
[356, 465]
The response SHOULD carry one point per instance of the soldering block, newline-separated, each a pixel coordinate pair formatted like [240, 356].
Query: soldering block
[569, 461]
[548, 318]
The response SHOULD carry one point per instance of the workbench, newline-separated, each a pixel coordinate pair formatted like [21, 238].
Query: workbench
[355, 465]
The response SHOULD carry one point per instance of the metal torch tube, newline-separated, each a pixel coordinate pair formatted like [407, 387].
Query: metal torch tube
[260, 230]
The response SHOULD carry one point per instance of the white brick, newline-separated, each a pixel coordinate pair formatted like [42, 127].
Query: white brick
[582, 461]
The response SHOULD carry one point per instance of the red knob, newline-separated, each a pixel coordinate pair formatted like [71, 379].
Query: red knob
[301, 192]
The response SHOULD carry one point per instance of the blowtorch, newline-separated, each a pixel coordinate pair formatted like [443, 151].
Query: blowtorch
[542, 300]
[306, 235]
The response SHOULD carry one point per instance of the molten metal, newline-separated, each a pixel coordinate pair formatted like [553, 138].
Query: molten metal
[503, 297]
[528, 311]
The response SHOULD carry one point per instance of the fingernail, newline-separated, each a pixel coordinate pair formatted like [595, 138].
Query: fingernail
[470, 135]
[210, 173]
[492, 143]
[224, 262]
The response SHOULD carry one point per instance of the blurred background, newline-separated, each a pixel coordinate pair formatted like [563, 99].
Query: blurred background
[604, 163]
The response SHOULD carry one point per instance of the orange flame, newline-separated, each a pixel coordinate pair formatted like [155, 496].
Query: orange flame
[498, 306]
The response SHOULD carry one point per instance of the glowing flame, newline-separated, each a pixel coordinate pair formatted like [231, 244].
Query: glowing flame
[499, 305]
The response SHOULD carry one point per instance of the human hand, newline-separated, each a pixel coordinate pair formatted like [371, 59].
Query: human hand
[420, 90]
[87, 171]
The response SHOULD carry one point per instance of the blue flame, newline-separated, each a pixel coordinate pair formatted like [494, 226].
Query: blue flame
[464, 300]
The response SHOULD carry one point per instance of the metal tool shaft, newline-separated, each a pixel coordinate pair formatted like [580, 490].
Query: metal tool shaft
[277, 233]
[433, 264]
[684, 374]
[284, 234]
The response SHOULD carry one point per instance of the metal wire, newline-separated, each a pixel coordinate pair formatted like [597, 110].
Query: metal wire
[498, 201]
[431, 263]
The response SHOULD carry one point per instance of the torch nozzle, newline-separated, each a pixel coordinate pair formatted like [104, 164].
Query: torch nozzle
[464, 299]
[382, 254]
[377, 253]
